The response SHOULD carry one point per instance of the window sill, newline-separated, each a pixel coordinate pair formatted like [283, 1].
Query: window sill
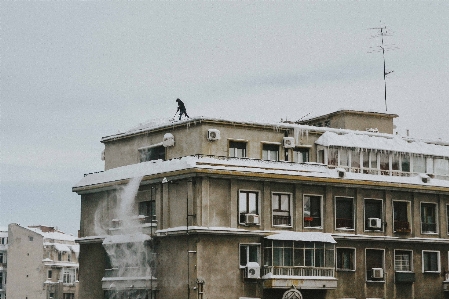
[345, 270]
[376, 281]
[284, 226]
[432, 272]
[344, 229]
[429, 233]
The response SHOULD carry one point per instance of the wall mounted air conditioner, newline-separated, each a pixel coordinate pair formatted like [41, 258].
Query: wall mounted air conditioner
[374, 223]
[169, 140]
[377, 273]
[252, 270]
[251, 219]
[213, 134]
[289, 142]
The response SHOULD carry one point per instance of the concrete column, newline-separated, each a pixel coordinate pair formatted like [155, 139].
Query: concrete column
[205, 202]
[328, 211]
[233, 204]
[265, 207]
[359, 212]
[388, 220]
[165, 213]
[298, 223]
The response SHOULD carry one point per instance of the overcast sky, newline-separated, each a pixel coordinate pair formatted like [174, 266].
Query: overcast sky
[75, 71]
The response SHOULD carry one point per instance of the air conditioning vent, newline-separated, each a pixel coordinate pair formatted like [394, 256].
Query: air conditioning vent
[169, 140]
[377, 273]
[252, 270]
[374, 223]
[289, 142]
[213, 134]
[252, 219]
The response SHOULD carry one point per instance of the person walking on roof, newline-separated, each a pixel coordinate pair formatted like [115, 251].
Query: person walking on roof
[181, 109]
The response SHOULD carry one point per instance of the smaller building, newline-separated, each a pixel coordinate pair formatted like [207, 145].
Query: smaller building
[43, 263]
[3, 251]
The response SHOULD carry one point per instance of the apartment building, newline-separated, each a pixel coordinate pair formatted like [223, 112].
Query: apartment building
[336, 206]
[3, 262]
[43, 263]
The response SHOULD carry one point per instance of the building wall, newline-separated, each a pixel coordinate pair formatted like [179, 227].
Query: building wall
[92, 265]
[25, 264]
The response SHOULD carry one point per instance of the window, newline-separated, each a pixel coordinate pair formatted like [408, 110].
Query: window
[332, 156]
[344, 214]
[344, 155]
[428, 218]
[248, 204]
[355, 159]
[68, 275]
[49, 274]
[296, 253]
[249, 253]
[419, 164]
[69, 256]
[51, 296]
[320, 156]
[312, 211]
[441, 166]
[1, 258]
[1, 280]
[4, 240]
[373, 214]
[270, 152]
[30, 238]
[403, 260]
[68, 296]
[431, 261]
[237, 149]
[346, 259]
[447, 218]
[152, 153]
[59, 255]
[384, 163]
[401, 211]
[405, 163]
[281, 207]
[374, 262]
[148, 209]
[301, 155]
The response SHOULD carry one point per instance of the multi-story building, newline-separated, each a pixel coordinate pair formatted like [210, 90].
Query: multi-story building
[3, 257]
[43, 263]
[334, 207]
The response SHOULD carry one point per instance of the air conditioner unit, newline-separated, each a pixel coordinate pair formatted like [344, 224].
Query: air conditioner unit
[169, 140]
[377, 273]
[213, 134]
[252, 270]
[251, 219]
[374, 223]
[289, 142]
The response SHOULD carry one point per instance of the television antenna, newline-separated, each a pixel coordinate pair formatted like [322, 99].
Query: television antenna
[382, 32]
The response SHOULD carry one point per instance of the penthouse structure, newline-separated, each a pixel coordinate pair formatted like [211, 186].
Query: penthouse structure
[334, 207]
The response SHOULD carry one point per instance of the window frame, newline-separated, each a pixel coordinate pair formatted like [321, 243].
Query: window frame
[147, 148]
[435, 217]
[259, 253]
[290, 208]
[365, 219]
[348, 198]
[354, 259]
[410, 251]
[241, 141]
[321, 211]
[408, 212]
[258, 207]
[301, 151]
[383, 264]
[273, 144]
[438, 261]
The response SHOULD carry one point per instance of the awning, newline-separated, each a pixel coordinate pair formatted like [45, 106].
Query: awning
[302, 236]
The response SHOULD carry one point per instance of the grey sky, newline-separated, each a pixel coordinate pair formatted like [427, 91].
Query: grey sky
[72, 72]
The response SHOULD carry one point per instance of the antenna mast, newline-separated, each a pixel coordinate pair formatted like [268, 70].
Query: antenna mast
[383, 32]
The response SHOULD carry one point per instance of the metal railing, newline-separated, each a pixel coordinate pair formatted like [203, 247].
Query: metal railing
[401, 226]
[281, 220]
[299, 271]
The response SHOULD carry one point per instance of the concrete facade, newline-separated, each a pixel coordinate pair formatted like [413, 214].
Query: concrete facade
[3, 261]
[212, 224]
[43, 263]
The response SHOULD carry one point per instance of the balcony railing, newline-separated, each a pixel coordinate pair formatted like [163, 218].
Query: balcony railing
[344, 223]
[281, 220]
[401, 226]
[299, 271]
[128, 272]
[429, 227]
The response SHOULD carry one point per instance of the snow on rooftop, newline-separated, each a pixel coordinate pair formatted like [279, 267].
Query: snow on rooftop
[392, 143]
[302, 236]
[56, 235]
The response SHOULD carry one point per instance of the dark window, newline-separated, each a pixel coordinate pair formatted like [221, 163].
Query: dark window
[431, 261]
[301, 155]
[400, 217]
[373, 211]
[49, 274]
[402, 260]
[237, 149]
[428, 218]
[1, 257]
[312, 211]
[152, 153]
[344, 212]
[148, 209]
[345, 259]
[249, 253]
[374, 260]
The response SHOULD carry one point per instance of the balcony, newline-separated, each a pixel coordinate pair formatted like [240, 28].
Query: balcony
[401, 227]
[139, 277]
[300, 277]
[404, 277]
[282, 220]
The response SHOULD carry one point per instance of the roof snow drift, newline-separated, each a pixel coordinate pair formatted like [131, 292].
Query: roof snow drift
[302, 236]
